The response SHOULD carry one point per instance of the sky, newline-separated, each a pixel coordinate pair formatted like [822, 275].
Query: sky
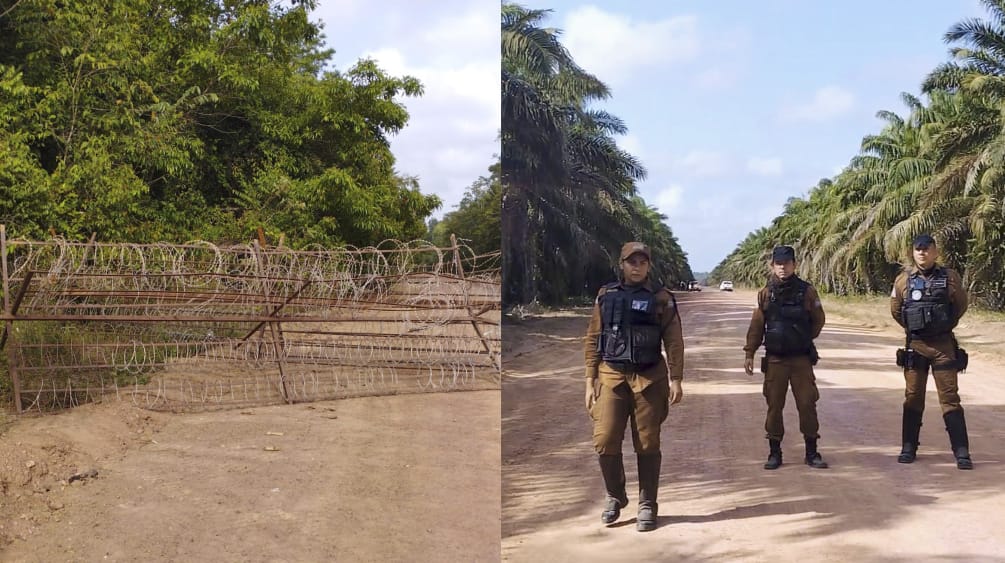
[735, 106]
[452, 47]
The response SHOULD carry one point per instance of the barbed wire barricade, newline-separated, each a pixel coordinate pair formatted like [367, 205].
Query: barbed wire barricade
[198, 325]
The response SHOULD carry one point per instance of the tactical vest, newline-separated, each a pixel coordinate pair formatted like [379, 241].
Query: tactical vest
[787, 321]
[927, 310]
[630, 336]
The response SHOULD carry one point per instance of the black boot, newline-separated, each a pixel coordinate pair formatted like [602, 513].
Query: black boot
[649, 484]
[956, 426]
[910, 430]
[813, 458]
[612, 466]
[775, 455]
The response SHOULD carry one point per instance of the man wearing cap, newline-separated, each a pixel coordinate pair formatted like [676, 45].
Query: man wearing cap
[627, 377]
[787, 318]
[928, 300]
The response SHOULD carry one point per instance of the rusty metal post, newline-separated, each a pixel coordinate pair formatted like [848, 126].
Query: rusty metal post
[9, 323]
[467, 302]
[277, 335]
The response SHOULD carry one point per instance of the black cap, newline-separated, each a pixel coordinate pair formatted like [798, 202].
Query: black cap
[783, 254]
[923, 241]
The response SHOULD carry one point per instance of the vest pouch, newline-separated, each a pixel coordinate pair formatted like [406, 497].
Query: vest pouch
[774, 338]
[792, 312]
[916, 318]
[615, 345]
[645, 345]
[940, 318]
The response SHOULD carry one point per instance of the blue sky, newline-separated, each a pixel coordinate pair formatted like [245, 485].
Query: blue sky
[736, 106]
[452, 47]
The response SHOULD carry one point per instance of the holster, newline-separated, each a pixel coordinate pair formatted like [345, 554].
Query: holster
[814, 355]
[905, 355]
[905, 358]
[764, 364]
[962, 359]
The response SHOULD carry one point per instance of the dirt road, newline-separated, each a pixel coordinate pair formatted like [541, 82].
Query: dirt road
[394, 478]
[716, 501]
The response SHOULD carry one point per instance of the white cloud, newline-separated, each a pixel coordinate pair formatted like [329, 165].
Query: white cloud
[827, 102]
[630, 143]
[613, 46]
[668, 199]
[465, 81]
[764, 166]
[461, 31]
[702, 164]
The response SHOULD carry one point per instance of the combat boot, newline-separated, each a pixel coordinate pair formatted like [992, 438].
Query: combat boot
[612, 467]
[774, 455]
[813, 458]
[910, 431]
[649, 484]
[956, 426]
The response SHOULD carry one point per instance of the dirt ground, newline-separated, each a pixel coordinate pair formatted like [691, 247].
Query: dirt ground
[716, 501]
[393, 478]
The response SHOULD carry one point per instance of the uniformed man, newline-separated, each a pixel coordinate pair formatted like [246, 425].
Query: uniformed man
[928, 300]
[787, 318]
[627, 378]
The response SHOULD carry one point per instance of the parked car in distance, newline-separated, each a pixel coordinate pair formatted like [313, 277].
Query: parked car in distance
[725, 285]
[693, 286]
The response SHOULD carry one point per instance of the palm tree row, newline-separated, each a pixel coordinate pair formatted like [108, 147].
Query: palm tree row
[569, 191]
[939, 168]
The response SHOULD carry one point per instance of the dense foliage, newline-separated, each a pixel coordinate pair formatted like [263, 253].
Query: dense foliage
[569, 196]
[195, 119]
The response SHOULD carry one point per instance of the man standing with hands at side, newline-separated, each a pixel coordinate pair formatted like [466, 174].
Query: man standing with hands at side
[787, 318]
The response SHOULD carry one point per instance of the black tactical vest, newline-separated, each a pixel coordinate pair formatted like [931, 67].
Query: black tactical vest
[786, 319]
[927, 310]
[630, 336]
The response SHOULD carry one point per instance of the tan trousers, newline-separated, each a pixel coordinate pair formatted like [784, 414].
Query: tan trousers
[797, 371]
[615, 406]
[940, 355]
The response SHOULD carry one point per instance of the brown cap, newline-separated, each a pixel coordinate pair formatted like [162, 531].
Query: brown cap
[634, 248]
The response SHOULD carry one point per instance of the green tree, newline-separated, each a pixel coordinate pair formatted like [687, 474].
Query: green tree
[476, 219]
[567, 188]
[196, 119]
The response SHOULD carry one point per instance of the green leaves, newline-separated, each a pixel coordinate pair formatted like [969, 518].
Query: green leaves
[568, 191]
[196, 119]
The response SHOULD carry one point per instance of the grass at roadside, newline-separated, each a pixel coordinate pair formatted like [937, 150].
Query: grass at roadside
[980, 331]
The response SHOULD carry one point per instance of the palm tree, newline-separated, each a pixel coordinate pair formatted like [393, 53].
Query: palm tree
[568, 188]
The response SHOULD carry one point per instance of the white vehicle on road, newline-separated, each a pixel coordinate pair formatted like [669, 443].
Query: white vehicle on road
[725, 285]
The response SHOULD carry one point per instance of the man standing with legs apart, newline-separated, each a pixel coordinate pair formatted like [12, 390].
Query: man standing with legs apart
[928, 300]
[787, 318]
[627, 378]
